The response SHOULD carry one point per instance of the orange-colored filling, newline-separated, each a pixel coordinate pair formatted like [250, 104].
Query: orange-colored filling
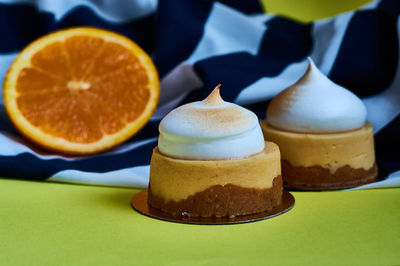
[177, 179]
[69, 88]
[331, 150]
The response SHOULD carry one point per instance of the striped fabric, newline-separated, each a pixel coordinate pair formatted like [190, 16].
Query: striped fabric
[198, 44]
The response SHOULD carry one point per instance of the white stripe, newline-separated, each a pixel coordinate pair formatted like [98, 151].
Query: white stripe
[393, 180]
[385, 106]
[266, 88]
[327, 37]
[225, 31]
[129, 177]
[182, 79]
[262, 18]
[228, 31]
[164, 109]
[115, 11]
[371, 5]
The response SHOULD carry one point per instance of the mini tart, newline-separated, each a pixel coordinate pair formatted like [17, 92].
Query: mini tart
[326, 160]
[216, 188]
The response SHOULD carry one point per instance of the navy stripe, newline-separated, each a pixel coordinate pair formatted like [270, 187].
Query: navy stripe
[20, 24]
[150, 130]
[390, 6]
[245, 67]
[284, 42]
[28, 166]
[367, 59]
[5, 124]
[387, 144]
[259, 108]
[247, 7]
[181, 27]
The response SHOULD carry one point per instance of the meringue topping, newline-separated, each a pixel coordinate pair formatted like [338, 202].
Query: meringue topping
[315, 104]
[210, 129]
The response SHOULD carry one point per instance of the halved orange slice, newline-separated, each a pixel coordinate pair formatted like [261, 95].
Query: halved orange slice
[81, 90]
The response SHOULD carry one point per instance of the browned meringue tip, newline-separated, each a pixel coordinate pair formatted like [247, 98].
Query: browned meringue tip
[280, 103]
[214, 98]
[305, 77]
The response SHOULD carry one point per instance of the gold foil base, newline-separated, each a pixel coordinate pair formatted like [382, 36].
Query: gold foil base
[139, 203]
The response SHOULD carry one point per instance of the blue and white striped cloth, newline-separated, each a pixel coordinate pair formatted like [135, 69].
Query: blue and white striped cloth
[198, 44]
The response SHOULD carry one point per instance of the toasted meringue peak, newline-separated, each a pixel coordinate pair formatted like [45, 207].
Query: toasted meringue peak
[315, 104]
[210, 129]
[214, 98]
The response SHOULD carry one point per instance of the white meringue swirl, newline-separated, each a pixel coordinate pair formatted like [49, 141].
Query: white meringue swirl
[315, 104]
[210, 129]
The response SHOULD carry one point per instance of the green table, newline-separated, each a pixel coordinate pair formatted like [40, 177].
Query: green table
[60, 224]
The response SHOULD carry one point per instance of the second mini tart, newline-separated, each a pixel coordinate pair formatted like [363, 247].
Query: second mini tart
[322, 132]
[325, 161]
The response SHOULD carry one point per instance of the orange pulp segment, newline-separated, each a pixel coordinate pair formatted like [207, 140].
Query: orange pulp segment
[81, 90]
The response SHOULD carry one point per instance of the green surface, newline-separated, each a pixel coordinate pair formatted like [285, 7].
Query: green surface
[59, 224]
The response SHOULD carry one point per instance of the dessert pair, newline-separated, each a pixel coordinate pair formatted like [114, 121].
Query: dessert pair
[212, 159]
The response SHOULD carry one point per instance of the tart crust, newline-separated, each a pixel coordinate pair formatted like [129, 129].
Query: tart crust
[316, 177]
[217, 188]
[223, 201]
[325, 161]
